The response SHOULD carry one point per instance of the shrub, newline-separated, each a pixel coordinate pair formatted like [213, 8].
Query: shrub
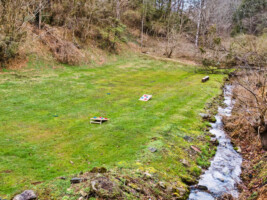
[132, 18]
[250, 50]
[112, 34]
[64, 51]
[11, 29]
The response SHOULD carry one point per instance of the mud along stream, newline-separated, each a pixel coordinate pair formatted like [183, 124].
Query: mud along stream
[223, 175]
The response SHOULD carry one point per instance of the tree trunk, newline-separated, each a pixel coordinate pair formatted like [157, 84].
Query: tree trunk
[263, 136]
[182, 17]
[38, 15]
[142, 24]
[118, 9]
[198, 23]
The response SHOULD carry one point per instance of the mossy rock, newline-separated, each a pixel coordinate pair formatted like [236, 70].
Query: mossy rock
[103, 187]
[212, 119]
[100, 170]
[180, 193]
[208, 117]
[188, 180]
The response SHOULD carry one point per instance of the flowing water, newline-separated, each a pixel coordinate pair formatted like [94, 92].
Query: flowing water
[224, 172]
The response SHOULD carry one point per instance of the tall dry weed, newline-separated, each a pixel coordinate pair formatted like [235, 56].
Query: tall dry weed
[63, 50]
[251, 105]
[250, 50]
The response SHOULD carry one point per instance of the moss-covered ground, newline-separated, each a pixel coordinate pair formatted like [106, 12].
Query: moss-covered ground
[45, 131]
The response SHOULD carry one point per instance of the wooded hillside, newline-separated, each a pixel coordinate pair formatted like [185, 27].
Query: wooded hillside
[110, 22]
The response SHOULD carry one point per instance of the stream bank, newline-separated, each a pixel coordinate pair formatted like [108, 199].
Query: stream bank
[240, 127]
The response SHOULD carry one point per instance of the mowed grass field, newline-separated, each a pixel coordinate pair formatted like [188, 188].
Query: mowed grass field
[45, 112]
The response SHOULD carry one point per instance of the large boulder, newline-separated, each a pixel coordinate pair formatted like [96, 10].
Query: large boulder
[103, 187]
[26, 195]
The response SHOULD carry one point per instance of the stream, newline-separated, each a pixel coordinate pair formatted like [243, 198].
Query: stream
[225, 169]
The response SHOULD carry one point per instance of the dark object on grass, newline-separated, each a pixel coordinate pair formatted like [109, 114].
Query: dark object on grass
[152, 149]
[205, 79]
[37, 183]
[76, 180]
[26, 195]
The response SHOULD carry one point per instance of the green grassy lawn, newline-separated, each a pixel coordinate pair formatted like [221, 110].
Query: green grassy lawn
[45, 131]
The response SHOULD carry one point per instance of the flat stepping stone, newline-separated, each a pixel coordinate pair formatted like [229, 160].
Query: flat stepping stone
[26, 195]
[152, 149]
[76, 180]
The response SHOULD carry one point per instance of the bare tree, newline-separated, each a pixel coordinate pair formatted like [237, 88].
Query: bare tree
[252, 84]
[12, 15]
[220, 13]
[252, 93]
[199, 21]
[144, 7]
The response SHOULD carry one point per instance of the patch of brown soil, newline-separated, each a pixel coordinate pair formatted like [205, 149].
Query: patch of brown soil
[178, 60]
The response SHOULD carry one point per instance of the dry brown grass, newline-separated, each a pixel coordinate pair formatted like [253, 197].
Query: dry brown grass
[184, 51]
[251, 101]
[40, 45]
[250, 50]
[63, 50]
[55, 45]
[246, 129]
